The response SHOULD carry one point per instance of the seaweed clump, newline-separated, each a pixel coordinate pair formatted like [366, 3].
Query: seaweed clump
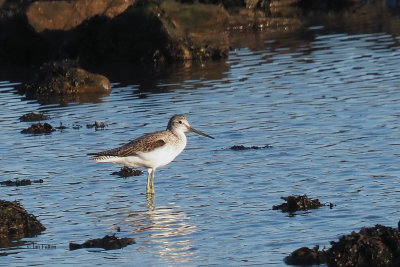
[372, 246]
[107, 242]
[16, 222]
[299, 203]
[39, 128]
[22, 182]
[242, 147]
[126, 172]
[97, 125]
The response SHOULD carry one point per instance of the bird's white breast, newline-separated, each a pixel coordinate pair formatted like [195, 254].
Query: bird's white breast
[160, 156]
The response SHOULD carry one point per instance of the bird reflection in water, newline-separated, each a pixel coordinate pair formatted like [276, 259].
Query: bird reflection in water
[163, 230]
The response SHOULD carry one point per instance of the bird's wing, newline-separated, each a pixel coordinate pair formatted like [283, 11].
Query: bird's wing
[145, 143]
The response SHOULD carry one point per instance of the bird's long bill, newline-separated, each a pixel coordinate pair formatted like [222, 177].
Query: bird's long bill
[200, 132]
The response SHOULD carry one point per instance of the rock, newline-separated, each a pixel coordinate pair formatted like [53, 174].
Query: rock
[64, 81]
[39, 128]
[33, 117]
[112, 31]
[126, 172]
[305, 256]
[107, 242]
[372, 246]
[16, 223]
[22, 182]
[65, 15]
[242, 147]
[201, 27]
[297, 203]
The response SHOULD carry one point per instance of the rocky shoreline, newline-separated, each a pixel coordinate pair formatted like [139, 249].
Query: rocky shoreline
[137, 31]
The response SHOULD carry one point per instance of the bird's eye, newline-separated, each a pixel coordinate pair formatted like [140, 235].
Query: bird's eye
[180, 122]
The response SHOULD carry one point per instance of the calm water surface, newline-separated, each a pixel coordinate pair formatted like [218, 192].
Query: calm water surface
[328, 106]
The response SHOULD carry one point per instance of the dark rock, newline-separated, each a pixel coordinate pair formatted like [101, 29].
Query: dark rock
[65, 15]
[113, 31]
[22, 182]
[39, 128]
[372, 246]
[306, 256]
[64, 80]
[200, 29]
[33, 117]
[242, 147]
[126, 172]
[297, 203]
[107, 242]
[16, 223]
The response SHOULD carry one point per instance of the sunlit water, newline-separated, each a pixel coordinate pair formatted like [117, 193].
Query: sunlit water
[329, 108]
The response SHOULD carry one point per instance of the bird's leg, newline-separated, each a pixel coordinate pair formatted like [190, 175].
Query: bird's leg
[149, 171]
[152, 181]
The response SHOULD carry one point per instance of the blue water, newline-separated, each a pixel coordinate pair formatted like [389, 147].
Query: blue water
[329, 107]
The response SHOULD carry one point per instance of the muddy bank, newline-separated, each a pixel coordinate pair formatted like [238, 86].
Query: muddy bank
[107, 242]
[371, 246]
[16, 223]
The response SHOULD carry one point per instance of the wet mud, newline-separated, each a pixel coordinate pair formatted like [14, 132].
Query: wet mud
[372, 246]
[126, 172]
[22, 182]
[107, 242]
[39, 128]
[16, 223]
[299, 203]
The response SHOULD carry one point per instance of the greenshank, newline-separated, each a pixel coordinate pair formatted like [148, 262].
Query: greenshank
[151, 150]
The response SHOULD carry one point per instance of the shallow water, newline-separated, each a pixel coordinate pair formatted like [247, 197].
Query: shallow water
[329, 107]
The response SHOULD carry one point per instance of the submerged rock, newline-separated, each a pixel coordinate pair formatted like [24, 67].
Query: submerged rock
[297, 203]
[31, 116]
[22, 182]
[126, 172]
[242, 147]
[16, 222]
[64, 79]
[39, 128]
[107, 242]
[372, 246]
